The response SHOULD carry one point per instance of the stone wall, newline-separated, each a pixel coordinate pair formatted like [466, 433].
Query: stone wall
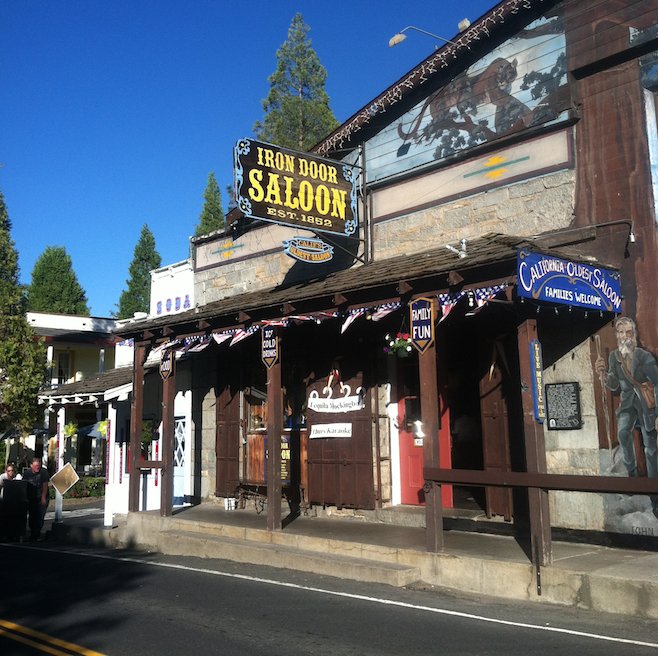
[525, 208]
[575, 452]
[203, 414]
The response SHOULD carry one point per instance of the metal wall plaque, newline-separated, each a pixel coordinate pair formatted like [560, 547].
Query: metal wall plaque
[563, 406]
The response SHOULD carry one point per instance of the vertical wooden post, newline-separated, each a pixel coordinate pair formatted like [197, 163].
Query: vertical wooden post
[535, 451]
[274, 429]
[136, 426]
[167, 489]
[429, 412]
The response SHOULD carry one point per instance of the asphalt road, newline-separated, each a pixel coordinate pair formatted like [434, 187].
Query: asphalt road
[121, 603]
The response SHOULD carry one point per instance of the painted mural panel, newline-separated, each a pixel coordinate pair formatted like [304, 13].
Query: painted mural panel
[518, 85]
[629, 374]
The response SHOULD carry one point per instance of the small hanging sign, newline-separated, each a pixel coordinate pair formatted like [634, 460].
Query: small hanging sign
[421, 320]
[270, 346]
[309, 250]
[537, 368]
[167, 361]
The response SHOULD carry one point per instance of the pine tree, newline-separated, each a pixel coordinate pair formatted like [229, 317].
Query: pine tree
[22, 355]
[136, 297]
[54, 286]
[212, 216]
[297, 112]
[230, 193]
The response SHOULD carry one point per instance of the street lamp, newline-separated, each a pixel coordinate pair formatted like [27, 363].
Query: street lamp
[401, 36]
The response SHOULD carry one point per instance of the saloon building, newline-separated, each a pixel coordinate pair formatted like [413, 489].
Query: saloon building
[416, 313]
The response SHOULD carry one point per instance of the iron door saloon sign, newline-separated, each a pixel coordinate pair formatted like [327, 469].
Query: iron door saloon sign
[295, 189]
[421, 320]
[548, 278]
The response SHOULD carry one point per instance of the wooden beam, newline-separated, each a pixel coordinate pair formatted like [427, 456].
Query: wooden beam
[429, 414]
[339, 299]
[203, 324]
[136, 409]
[455, 279]
[243, 317]
[167, 489]
[274, 424]
[404, 287]
[287, 308]
[535, 450]
[147, 335]
[166, 331]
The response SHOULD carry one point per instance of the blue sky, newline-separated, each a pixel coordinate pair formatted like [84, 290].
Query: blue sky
[112, 113]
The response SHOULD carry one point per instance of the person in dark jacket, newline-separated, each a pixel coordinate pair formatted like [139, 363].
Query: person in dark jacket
[38, 481]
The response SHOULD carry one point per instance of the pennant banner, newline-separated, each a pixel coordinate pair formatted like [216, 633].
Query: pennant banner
[222, 337]
[351, 318]
[241, 334]
[382, 310]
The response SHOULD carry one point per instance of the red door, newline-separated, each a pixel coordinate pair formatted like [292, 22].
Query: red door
[411, 453]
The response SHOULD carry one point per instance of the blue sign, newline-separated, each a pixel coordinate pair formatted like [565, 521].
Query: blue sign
[552, 279]
[537, 368]
[421, 320]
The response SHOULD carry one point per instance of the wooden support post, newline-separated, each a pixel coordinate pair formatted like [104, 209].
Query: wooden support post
[535, 451]
[167, 471]
[429, 412]
[274, 429]
[136, 427]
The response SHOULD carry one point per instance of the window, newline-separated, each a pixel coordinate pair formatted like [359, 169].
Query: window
[63, 368]
[256, 410]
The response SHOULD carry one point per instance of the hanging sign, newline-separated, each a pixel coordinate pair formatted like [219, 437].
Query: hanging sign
[537, 368]
[269, 346]
[167, 361]
[547, 278]
[330, 430]
[306, 249]
[421, 320]
[296, 189]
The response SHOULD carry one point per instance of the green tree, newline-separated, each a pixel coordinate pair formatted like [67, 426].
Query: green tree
[22, 354]
[297, 112]
[212, 216]
[54, 286]
[136, 297]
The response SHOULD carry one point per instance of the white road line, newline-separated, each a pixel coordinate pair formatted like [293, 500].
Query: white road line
[348, 595]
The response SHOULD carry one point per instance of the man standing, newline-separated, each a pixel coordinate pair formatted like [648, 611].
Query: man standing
[38, 480]
[633, 372]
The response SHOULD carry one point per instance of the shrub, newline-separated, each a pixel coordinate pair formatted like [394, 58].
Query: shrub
[88, 486]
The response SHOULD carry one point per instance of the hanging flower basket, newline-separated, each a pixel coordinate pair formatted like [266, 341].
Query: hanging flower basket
[400, 345]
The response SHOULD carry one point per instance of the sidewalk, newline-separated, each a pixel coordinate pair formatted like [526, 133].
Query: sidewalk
[613, 580]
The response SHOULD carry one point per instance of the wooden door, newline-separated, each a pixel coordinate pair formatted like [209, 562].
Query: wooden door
[340, 469]
[495, 435]
[227, 441]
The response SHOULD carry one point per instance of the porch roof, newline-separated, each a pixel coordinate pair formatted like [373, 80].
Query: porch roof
[90, 389]
[488, 258]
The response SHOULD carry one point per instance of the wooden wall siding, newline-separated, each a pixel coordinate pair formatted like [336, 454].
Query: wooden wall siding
[532, 157]
[517, 85]
[613, 177]
[600, 29]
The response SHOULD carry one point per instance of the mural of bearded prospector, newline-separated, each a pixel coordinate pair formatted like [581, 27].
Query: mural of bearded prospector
[633, 373]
